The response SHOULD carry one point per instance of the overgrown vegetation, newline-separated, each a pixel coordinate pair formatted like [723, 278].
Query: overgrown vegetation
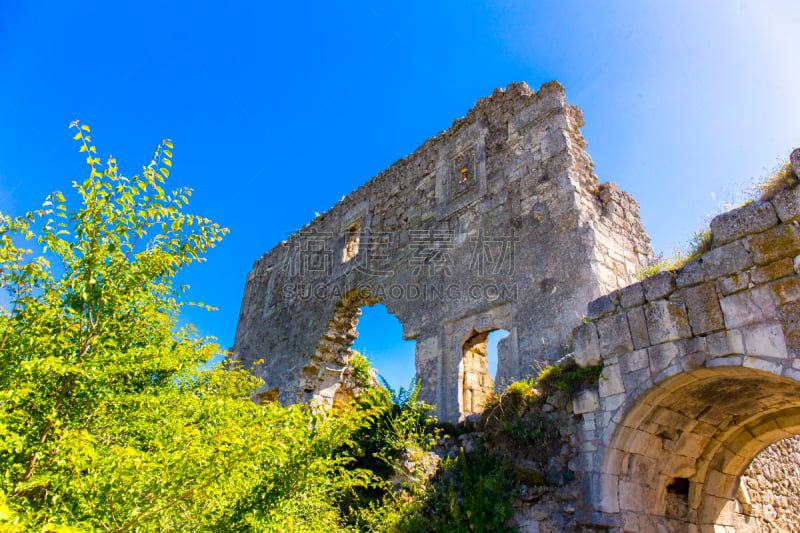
[361, 367]
[698, 245]
[569, 378]
[781, 179]
[471, 493]
[516, 419]
[106, 423]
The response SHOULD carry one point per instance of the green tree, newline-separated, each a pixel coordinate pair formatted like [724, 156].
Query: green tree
[107, 422]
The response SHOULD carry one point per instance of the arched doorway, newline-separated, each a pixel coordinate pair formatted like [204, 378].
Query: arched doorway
[330, 376]
[380, 340]
[676, 455]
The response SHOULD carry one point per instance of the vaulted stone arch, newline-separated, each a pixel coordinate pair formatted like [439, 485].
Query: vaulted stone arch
[676, 455]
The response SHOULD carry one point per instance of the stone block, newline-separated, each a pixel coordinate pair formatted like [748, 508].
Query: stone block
[790, 318]
[762, 364]
[794, 160]
[702, 304]
[663, 355]
[587, 348]
[787, 205]
[779, 242]
[748, 307]
[766, 340]
[775, 270]
[615, 337]
[726, 259]
[734, 283]
[633, 380]
[600, 307]
[730, 360]
[611, 381]
[631, 497]
[633, 361]
[586, 401]
[658, 286]
[785, 290]
[754, 217]
[631, 296]
[638, 327]
[692, 273]
[693, 360]
[666, 321]
[613, 402]
[607, 492]
[427, 348]
[724, 343]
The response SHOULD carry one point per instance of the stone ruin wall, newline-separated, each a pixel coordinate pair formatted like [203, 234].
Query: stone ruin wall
[770, 488]
[496, 223]
[575, 239]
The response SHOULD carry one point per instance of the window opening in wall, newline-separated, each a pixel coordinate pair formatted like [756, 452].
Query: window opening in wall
[679, 486]
[352, 237]
[491, 356]
[479, 369]
[380, 339]
[462, 173]
[676, 499]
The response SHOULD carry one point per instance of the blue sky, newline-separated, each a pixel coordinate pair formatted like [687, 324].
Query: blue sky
[277, 109]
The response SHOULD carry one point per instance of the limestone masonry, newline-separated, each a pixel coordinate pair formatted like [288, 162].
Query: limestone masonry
[495, 223]
[499, 223]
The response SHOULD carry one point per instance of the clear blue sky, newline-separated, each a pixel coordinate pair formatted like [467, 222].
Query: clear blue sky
[277, 109]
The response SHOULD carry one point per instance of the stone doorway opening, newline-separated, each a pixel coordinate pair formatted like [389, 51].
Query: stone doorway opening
[380, 339]
[334, 375]
[478, 369]
[678, 455]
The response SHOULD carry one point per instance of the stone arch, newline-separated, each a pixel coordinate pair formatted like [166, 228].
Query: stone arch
[327, 376]
[676, 453]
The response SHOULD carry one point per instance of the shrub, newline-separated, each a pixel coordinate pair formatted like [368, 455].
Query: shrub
[106, 423]
[361, 368]
[780, 179]
[569, 378]
[698, 245]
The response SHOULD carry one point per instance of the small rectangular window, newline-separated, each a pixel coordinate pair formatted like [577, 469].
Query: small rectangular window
[352, 237]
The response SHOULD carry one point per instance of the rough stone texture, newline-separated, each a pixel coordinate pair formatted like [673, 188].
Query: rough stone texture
[770, 488]
[496, 223]
[748, 219]
[711, 378]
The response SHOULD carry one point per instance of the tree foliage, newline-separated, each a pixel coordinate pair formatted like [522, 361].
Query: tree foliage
[107, 422]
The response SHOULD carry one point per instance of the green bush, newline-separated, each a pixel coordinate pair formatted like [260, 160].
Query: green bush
[361, 368]
[569, 378]
[472, 493]
[107, 425]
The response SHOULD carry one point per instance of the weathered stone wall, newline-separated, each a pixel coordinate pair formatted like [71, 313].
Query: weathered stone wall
[495, 223]
[770, 493]
[701, 371]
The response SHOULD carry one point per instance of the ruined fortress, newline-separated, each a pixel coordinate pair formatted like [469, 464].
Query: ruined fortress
[499, 223]
[496, 223]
